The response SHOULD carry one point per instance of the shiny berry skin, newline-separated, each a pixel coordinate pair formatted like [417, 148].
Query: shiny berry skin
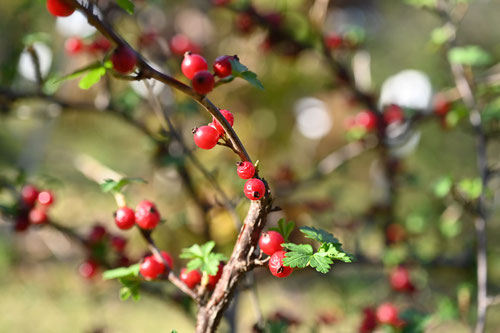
[118, 243]
[146, 215]
[400, 280]
[276, 266]
[387, 313]
[203, 82]
[29, 194]
[37, 216]
[270, 242]
[369, 321]
[217, 125]
[254, 189]
[366, 119]
[222, 66]
[125, 218]
[60, 8]
[192, 64]
[73, 45]
[88, 268]
[180, 44]
[45, 198]
[97, 234]
[393, 114]
[213, 279]
[123, 59]
[22, 223]
[206, 137]
[245, 170]
[150, 268]
[191, 278]
[168, 258]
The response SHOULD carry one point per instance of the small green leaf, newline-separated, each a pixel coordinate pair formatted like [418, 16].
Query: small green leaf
[251, 77]
[117, 186]
[241, 71]
[319, 235]
[126, 5]
[125, 293]
[422, 3]
[441, 35]
[79, 72]
[203, 258]
[91, 78]
[471, 55]
[472, 188]
[284, 228]
[121, 272]
[443, 186]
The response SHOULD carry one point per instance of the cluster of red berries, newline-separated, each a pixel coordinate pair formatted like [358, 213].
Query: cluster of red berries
[34, 205]
[152, 267]
[195, 68]
[146, 216]
[270, 243]
[76, 45]
[193, 278]
[385, 314]
[367, 120]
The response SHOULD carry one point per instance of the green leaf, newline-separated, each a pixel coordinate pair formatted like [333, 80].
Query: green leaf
[472, 188]
[126, 5]
[203, 258]
[117, 186]
[251, 77]
[441, 35]
[284, 228]
[321, 262]
[319, 235]
[241, 71]
[91, 78]
[79, 72]
[471, 55]
[125, 293]
[422, 3]
[299, 255]
[131, 271]
[443, 186]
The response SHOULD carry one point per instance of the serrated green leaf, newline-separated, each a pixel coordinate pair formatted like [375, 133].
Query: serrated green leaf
[284, 228]
[203, 258]
[193, 251]
[121, 272]
[320, 262]
[443, 186]
[299, 255]
[319, 235]
[471, 55]
[207, 248]
[126, 5]
[91, 78]
[194, 264]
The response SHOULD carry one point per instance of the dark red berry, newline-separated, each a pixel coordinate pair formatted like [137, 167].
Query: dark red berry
[37, 216]
[88, 268]
[206, 137]
[393, 114]
[150, 268]
[118, 243]
[254, 189]
[441, 106]
[180, 44]
[334, 41]
[270, 242]
[276, 266]
[192, 64]
[213, 279]
[100, 44]
[168, 258]
[190, 278]
[395, 233]
[29, 194]
[123, 59]
[387, 313]
[244, 22]
[400, 280]
[45, 198]
[217, 125]
[60, 7]
[22, 223]
[125, 218]
[245, 170]
[366, 119]
[369, 322]
[73, 45]
[97, 234]
[203, 82]
[222, 66]
[146, 215]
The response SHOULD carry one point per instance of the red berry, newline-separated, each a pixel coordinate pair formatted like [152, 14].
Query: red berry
[393, 114]
[245, 170]
[168, 258]
[88, 268]
[22, 223]
[190, 278]
[37, 216]
[254, 189]
[217, 125]
[206, 137]
[180, 44]
[123, 59]
[369, 321]
[29, 194]
[220, 2]
[441, 106]
[45, 198]
[118, 243]
[400, 280]
[213, 279]
[387, 313]
[125, 218]
[203, 82]
[97, 234]
[244, 22]
[60, 7]
[366, 119]
[192, 64]
[334, 41]
[222, 66]
[146, 215]
[73, 45]
[395, 233]
[100, 44]
[276, 266]
[270, 242]
[150, 268]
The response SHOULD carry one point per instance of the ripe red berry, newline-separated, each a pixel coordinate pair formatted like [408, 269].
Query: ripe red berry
[441, 106]
[203, 82]
[276, 266]
[369, 321]
[400, 280]
[22, 223]
[150, 268]
[146, 215]
[393, 114]
[118, 243]
[334, 41]
[73, 45]
[270, 242]
[123, 59]
[60, 7]
[29, 194]
[191, 278]
[37, 216]
[180, 44]
[88, 268]
[245, 170]
[125, 218]
[254, 189]
[222, 66]
[366, 119]
[387, 313]
[168, 258]
[97, 234]
[217, 125]
[100, 44]
[206, 137]
[192, 64]
[213, 279]
[45, 198]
